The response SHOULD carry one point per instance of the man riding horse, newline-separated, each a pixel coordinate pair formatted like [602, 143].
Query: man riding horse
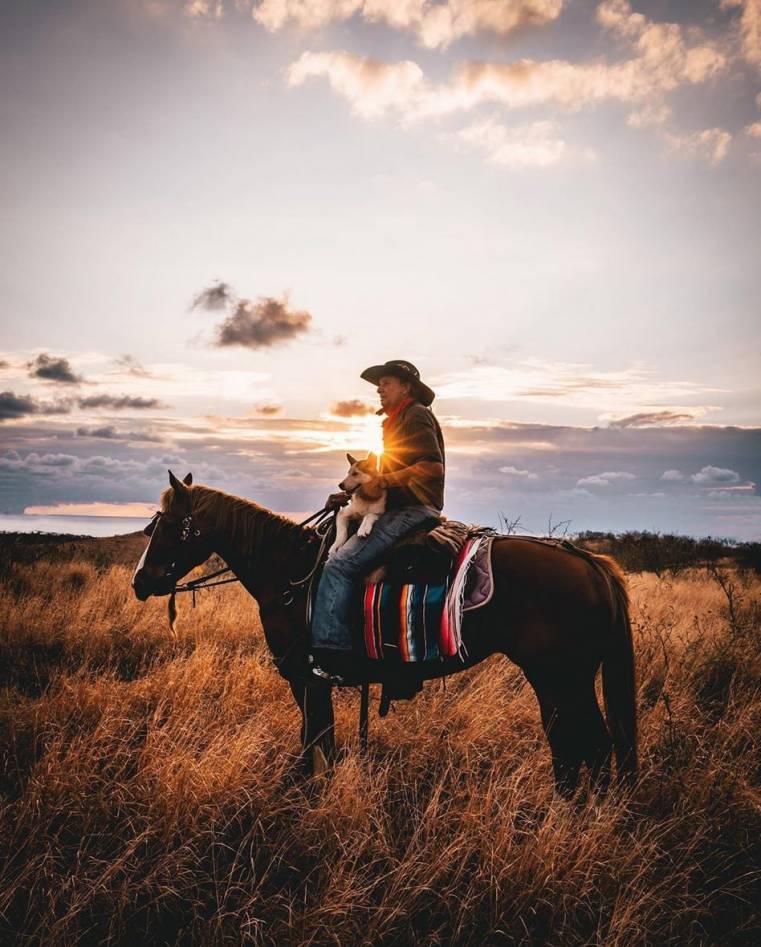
[412, 473]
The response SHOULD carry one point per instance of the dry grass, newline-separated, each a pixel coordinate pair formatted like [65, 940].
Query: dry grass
[150, 790]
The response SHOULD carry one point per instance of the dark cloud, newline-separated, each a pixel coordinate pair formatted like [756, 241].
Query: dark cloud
[16, 406]
[109, 433]
[4, 364]
[19, 406]
[254, 325]
[215, 297]
[49, 368]
[653, 419]
[351, 409]
[119, 402]
[131, 366]
[268, 409]
[262, 324]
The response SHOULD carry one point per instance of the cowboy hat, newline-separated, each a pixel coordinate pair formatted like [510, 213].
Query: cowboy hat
[403, 370]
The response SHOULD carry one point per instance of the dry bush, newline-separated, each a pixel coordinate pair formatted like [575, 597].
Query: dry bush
[150, 792]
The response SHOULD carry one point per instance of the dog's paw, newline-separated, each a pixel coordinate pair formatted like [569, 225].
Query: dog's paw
[333, 550]
[364, 530]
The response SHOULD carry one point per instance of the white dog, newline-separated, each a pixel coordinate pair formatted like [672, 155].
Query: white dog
[363, 505]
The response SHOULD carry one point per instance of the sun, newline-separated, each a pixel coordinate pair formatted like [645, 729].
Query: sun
[370, 430]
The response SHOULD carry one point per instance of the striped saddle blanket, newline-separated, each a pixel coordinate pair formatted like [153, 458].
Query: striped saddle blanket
[403, 623]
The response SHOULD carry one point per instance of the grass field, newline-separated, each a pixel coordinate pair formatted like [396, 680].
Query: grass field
[150, 791]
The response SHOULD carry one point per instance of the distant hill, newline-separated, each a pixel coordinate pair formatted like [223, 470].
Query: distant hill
[100, 551]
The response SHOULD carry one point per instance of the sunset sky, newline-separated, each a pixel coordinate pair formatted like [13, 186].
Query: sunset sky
[215, 214]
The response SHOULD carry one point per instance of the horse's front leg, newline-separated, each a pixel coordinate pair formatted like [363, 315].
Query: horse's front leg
[318, 744]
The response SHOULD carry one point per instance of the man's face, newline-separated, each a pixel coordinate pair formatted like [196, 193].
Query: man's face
[392, 391]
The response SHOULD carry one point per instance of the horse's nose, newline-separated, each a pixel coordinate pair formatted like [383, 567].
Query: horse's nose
[140, 586]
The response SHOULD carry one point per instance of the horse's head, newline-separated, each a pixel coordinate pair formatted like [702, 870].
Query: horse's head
[177, 545]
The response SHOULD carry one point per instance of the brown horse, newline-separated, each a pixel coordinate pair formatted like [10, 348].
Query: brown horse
[558, 612]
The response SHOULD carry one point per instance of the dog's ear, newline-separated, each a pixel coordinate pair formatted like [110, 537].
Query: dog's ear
[372, 461]
[352, 460]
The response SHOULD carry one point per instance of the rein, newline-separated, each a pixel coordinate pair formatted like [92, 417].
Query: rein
[324, 521]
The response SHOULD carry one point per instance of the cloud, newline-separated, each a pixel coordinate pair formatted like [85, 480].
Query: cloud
[204, 9]
[119, 402]
[661, 61]
[711, 144]
[262, 324]
[749, 28]
[605, 479]
[672, 475]
[517, 472]
[131, 366]
[50, 368]
[753, 130]
[128, 510]
[268, 409]
[715, 475]
[537, 145]
[371, 87]
[351, 409]
[18, 406]
[575, 383]
[653, 419]
[215, 297]
[435, 24]
[109, 433]
[253, 325]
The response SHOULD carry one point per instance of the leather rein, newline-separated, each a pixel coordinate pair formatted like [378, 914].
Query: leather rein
[324, 520]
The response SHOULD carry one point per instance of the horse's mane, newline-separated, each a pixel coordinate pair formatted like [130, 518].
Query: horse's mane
[245, 523]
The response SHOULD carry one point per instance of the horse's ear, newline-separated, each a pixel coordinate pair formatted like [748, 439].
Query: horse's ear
[352, 460]
[188, 479]
[180, 490]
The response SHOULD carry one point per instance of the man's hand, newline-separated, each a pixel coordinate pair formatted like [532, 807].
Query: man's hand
[336, 500]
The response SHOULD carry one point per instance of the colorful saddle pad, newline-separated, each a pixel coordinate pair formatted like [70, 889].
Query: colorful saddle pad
[421, 622]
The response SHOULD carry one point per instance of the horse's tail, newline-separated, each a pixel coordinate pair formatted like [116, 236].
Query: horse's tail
[618, 675]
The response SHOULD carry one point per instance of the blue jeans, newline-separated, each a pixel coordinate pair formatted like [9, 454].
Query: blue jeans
[358, 556]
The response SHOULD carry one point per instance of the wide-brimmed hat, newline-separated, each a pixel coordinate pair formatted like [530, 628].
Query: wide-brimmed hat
[403, 370]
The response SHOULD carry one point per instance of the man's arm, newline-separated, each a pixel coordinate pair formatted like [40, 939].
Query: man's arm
[422, 470]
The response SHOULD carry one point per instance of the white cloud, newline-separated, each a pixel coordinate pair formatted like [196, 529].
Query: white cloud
[754, 130]
[633, 389]
[661, 61]
[711, 144]
[205, 9]
[537, 145]
[434, 24]
[715, 475]
[749, 27]
[518, 472]
[605, 479]
[672, 475]
[371, 87]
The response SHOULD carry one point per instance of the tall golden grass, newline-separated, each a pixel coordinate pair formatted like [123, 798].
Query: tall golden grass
[150, 790]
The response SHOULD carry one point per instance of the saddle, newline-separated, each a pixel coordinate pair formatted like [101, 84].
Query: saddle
[424, 567]
[424, 556]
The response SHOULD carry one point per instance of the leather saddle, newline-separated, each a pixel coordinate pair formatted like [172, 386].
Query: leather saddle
[416, 558]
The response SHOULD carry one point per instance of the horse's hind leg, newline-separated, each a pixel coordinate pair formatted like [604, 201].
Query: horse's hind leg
[594, 737]
[575, 730]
